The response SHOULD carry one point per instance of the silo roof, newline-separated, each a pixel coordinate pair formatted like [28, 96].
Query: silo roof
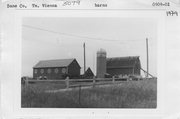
[101, 50]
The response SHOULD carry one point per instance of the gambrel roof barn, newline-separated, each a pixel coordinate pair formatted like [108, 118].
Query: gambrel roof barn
[123, 65]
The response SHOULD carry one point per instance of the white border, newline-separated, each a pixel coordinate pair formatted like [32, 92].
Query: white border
[12, 58]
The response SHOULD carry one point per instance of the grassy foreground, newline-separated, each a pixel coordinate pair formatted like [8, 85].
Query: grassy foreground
[132, 94]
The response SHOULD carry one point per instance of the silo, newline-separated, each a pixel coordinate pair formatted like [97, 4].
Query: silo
[101, 63]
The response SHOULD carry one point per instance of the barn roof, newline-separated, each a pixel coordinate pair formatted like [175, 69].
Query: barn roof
[54, 63]
[122, 62]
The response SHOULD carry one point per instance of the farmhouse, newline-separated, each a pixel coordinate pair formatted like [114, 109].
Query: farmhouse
[123, 65]
[57, 69]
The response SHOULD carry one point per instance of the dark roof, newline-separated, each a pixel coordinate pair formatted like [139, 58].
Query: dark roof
[54, 63]
[122, 62]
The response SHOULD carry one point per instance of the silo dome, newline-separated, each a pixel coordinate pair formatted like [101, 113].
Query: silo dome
[101, 52]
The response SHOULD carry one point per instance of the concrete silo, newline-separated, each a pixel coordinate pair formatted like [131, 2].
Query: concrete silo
[101, 63]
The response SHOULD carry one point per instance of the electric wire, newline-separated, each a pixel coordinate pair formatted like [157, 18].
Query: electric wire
[72, 35]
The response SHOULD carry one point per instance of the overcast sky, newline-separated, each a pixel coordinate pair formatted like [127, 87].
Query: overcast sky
[118, 36]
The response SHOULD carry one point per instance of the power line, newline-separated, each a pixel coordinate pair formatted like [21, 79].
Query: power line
[73, 35]
[66, 34]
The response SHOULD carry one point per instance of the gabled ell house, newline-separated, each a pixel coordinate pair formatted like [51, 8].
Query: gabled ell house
[57, 69]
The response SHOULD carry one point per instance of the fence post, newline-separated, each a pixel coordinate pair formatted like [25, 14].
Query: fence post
[113, 79]
[94, 81]
[26, 82]
[79, 95]
[67, 82]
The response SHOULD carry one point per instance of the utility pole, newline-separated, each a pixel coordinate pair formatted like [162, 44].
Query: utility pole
[84, 58]
[147, 57]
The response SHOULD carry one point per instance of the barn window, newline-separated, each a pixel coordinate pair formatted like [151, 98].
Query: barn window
[42, 71]
[49, 71]
[35, 71]
[56, 70]
[63, 70]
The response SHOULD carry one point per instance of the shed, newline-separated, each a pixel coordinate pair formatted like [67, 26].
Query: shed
[88, 73]
[57, 69]
[123, 65]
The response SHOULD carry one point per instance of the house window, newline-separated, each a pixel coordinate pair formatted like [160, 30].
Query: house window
[56, 70]
[35, 71]
[49, 71]
[42, 71]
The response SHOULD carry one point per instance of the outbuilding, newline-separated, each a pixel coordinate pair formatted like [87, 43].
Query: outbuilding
[88, 73]
[56, 69]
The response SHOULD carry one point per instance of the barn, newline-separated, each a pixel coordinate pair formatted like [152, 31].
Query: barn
[123, 66]
[56, 69]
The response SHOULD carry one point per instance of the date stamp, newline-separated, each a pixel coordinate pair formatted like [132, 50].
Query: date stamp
[171, 13]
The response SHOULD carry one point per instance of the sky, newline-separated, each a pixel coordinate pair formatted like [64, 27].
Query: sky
[45, 38]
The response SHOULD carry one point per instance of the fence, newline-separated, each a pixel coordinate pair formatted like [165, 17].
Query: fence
[69, 83]
[77, 82]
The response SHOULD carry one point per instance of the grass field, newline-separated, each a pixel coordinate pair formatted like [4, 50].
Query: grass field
[132, 94]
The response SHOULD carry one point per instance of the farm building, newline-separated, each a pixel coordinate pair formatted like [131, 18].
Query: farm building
[123, 66]
[57, 69]
[89, 73]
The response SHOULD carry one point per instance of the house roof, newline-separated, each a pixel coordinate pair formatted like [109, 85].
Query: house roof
[54, 63]
[122, 62]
